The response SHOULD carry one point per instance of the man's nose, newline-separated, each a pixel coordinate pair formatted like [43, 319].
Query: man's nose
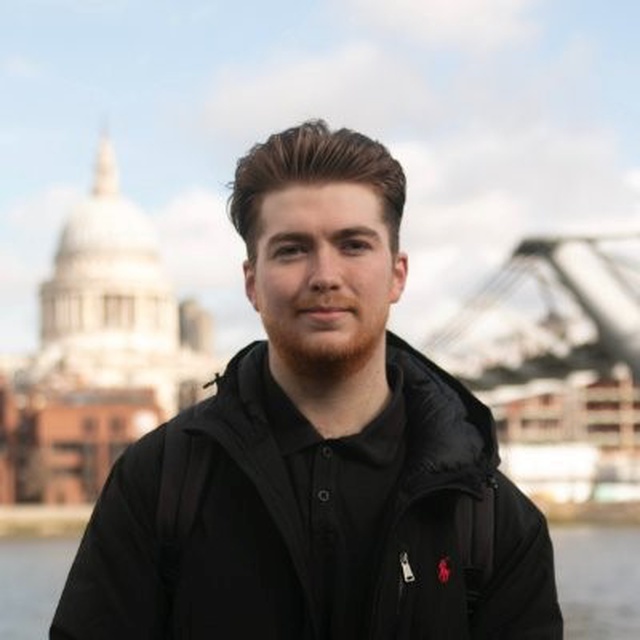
[325, 271]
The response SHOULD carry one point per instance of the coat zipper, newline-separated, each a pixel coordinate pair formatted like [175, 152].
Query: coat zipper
[406, 577]
[407, 572]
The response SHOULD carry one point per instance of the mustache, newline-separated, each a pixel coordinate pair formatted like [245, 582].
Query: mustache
[326, 301]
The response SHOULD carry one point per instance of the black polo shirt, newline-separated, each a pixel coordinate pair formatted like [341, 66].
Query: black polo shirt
[342, 487]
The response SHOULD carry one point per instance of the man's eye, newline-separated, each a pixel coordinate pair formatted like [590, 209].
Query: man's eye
[355, 246]
[289, 251]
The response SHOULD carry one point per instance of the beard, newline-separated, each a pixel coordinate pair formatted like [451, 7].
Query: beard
[319, 354]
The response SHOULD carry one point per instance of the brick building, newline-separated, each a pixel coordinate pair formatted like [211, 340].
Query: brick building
[8, 427]
[68, 442]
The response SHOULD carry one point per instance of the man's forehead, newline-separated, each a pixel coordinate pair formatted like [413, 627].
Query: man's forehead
[331, 202]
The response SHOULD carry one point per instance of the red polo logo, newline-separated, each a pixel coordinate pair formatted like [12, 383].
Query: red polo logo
[444, 570]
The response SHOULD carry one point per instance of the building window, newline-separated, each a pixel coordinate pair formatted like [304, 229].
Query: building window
[118, 311]
[117, 427]
[89, 426]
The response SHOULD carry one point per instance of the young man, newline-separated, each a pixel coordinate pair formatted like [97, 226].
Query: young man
[337, 456]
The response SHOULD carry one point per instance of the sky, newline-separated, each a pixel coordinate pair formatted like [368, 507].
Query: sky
[511, 118]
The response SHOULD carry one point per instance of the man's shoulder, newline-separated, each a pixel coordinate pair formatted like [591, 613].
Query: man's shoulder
[141, 462]
[516, 513]
[150, 446]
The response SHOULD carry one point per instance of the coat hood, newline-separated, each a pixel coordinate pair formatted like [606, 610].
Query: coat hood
[450, 431]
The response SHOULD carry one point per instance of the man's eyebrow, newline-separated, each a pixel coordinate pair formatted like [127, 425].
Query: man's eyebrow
[351, 232]
[288, 236]
[340, 234]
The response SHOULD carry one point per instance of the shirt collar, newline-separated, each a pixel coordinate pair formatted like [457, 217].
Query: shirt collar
[376, 444]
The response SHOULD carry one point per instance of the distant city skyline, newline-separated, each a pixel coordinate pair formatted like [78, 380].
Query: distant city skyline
[511, 118]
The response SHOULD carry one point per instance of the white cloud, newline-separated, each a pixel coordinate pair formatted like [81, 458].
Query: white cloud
[46, 211]
[28, 234]
[204, 256]
[632, 179]
[199, 244]
[451, 248]
[358, 85]
[466, 24]
[30, 231]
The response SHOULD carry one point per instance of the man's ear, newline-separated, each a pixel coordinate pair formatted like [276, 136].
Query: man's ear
[399, 280]
[249, 270]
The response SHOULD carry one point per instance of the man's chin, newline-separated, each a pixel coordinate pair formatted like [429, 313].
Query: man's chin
[326, 356]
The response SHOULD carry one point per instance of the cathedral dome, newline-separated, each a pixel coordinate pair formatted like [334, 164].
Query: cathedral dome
[106, 222]
[106, 236]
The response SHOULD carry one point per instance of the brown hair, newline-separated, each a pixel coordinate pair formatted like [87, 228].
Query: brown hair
[309, 154]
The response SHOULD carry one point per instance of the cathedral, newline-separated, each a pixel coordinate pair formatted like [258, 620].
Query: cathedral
[108, 314]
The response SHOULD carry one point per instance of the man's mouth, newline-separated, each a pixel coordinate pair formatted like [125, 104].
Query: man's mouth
[326, 311]
[326, 305]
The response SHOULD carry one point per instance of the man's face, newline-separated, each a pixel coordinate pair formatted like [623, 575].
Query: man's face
[324, 276]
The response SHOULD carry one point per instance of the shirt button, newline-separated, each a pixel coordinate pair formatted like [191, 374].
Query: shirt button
[326, 451]
[324, 495]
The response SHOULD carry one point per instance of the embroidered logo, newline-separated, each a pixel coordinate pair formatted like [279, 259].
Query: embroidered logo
[444, 570]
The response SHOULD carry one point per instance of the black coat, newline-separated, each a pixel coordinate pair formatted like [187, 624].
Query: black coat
[244, 572]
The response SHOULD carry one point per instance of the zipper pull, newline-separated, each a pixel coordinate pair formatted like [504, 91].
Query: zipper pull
[407, 572]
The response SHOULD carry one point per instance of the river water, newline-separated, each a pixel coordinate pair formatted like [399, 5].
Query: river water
[598, 571]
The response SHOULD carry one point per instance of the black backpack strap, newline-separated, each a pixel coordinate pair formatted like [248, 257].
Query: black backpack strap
[475, 525]
[175, 457]
[185, 465]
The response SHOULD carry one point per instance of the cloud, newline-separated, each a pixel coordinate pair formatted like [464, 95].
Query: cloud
[632, 179]
[30, 230]
[542, 176]
[204, 255]
[358, 85]
[462, 24]
[44, 212]
[199, 244]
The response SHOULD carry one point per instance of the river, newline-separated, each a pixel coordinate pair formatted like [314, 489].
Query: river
[597, 567]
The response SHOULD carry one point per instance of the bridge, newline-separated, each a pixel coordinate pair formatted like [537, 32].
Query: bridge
[557, 307]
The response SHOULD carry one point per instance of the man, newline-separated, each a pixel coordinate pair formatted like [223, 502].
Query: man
[337, 454]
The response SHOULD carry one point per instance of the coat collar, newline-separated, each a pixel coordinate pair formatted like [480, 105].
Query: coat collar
[450, 433]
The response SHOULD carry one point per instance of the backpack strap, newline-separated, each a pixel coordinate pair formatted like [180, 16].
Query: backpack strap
[475, 526]
[185, 464]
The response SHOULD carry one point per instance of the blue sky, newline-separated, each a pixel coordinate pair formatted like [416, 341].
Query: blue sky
[511, 117]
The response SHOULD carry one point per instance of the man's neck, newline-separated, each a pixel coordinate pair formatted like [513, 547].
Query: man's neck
[335, 406]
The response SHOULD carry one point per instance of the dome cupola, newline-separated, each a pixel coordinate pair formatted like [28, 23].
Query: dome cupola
[109, 290]
[106, 222]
